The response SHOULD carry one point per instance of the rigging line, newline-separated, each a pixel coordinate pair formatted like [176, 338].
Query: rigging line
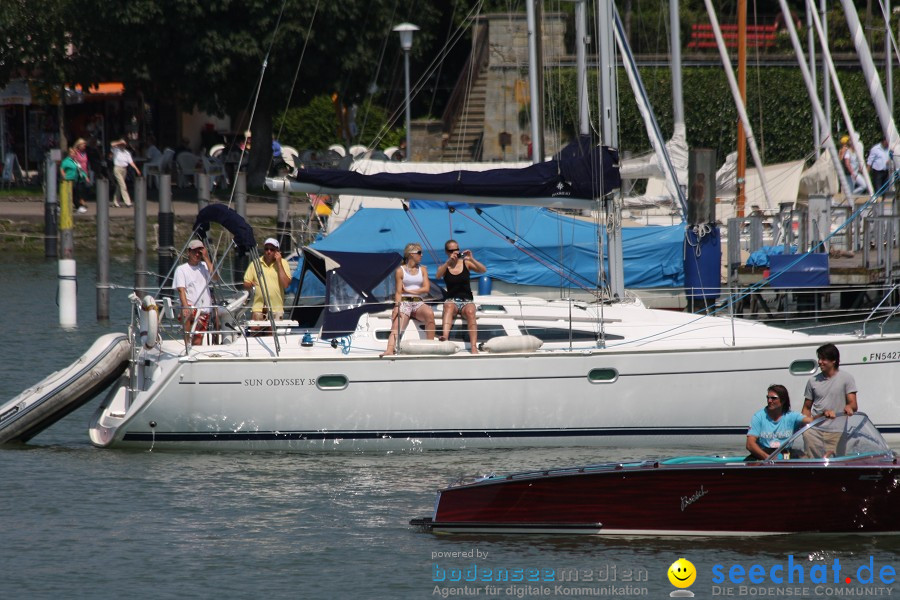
[855, 215]
[287, 104]
[395, 116]
[374, 84]
[537, 255]
[262, 74]
[499, 227]
[420, 231]
[761, 128]
[470, 76]
[890, 32]
[437, 75]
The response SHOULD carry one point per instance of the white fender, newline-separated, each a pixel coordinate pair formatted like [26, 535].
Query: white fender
[414, 346]
[512, 343]
[149, 322]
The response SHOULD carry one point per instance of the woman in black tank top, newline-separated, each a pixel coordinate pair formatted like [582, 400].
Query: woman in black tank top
[456, 275]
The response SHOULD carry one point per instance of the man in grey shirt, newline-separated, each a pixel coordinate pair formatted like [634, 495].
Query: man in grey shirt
[829, 393]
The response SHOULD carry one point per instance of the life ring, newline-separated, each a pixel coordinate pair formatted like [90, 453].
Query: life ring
[149, 322]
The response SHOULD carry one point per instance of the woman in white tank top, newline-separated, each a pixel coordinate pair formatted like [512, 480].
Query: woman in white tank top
[412, 286]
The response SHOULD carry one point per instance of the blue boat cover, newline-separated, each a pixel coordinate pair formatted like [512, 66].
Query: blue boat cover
[798, 271]
[230, 220]
[518, 245]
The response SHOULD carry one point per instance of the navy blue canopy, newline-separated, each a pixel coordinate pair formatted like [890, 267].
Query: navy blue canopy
[570, 179]
[355, 283]
[230, 220]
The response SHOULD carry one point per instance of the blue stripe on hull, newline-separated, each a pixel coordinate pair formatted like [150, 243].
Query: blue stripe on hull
[228, 436]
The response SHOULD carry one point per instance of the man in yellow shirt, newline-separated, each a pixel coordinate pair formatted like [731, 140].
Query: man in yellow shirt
[268, 297]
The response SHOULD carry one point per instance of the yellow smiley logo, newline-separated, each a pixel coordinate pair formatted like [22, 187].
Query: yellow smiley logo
[682, 573]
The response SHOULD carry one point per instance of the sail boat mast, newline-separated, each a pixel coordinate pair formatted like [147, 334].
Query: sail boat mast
[675, 63]
[740, 198]
[535, 75]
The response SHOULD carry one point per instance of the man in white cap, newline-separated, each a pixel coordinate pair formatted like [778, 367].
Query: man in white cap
[121, 161]
[268, 297]
[192, 279]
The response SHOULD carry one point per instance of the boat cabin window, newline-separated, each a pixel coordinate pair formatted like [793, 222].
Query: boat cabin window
[310, 301]
[492, 308]
[803, 367]
[603, 375]
[331, 382]
[561, 334]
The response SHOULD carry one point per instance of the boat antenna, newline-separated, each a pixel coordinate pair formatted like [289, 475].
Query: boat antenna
[262, 74]
[287, 104]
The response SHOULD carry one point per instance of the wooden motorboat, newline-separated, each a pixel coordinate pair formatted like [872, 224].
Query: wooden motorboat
[850, 490]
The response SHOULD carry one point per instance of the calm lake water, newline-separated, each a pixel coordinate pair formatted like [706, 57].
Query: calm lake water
[79, 522]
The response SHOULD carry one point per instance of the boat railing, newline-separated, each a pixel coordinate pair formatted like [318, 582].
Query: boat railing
[848, 304]
[893, 311]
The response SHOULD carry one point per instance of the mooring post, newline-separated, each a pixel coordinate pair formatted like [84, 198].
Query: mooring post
[51, 204]
[102, 249]
[166, 249]
[140, 235]
[283, 223]
[67, 282]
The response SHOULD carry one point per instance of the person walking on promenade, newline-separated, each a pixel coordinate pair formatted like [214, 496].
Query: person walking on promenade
[122, 159]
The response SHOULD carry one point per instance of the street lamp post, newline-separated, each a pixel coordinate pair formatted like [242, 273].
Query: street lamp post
[406, 31]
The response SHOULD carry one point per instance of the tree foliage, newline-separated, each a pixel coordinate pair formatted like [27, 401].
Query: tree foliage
[777, 104]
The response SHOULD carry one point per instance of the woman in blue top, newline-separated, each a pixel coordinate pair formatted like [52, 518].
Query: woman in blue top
[771, 426]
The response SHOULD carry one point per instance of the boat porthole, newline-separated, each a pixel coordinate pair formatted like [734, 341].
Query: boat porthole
[331, 382]
[603, 375]
[803, 367]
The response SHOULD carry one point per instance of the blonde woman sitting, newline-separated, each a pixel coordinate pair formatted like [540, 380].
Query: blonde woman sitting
[412, 287]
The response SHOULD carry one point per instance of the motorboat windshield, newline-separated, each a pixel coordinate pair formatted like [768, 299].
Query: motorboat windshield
[842, 438]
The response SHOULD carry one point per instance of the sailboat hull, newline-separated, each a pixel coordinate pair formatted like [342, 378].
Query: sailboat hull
[320, 399]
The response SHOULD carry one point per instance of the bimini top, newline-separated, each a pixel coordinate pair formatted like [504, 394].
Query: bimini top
[572, 179]
[355, 283]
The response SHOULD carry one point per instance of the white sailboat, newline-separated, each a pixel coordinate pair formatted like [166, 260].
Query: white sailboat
[550, 373]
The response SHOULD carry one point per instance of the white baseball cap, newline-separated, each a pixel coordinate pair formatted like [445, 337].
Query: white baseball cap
[271, 242]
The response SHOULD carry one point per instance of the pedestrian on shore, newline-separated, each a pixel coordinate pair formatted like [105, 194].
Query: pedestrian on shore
[851, 166]
[879, 163]
[122, 160]
[72, 171]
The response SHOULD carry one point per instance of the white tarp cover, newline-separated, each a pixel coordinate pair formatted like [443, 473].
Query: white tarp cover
[820, 178]
[647, 166]
[782, 179]
[349, 204]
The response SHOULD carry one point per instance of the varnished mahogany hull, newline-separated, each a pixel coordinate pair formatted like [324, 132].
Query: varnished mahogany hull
[786, 497]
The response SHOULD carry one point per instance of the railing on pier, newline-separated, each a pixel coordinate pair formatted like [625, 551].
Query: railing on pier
[758, 36]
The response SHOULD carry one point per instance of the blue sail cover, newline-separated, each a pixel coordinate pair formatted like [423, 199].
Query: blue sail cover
[545, 244]
[571, 179]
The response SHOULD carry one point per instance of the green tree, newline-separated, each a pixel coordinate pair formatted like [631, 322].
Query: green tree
[210, 55]
[37, 41]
